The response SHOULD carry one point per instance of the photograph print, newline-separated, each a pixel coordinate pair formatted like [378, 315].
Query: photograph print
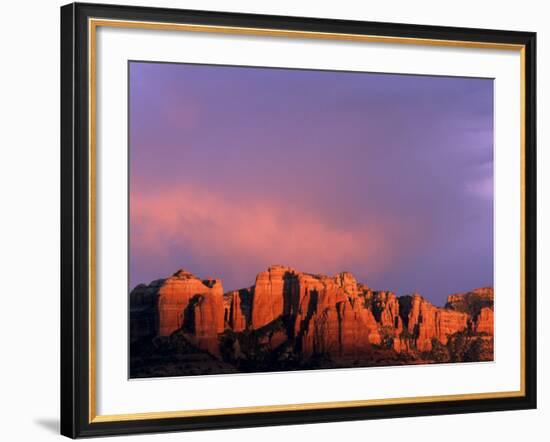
[293, 219]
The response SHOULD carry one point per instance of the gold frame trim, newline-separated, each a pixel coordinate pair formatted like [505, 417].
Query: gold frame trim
[93, 24]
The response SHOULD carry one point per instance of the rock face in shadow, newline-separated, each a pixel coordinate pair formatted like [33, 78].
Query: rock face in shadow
[295, 320]
[237, 308]
[478, 304]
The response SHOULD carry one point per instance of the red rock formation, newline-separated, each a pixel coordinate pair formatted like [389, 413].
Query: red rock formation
[311, 296]
[358, 330]
[348, 283]
[449, 322]
[484, 322]
[316, 314]
[174, 295]
[331, 318]
[386, 310]
[478, 304]
[324, 336]
[234, 315]
[181, 301]
[426, 322]
[471, 302]
[207, 317]
[268, 301]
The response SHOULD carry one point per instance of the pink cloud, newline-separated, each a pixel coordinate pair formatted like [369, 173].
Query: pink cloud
[249, 234]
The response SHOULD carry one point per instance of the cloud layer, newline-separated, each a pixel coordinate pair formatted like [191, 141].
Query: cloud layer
[237, 236]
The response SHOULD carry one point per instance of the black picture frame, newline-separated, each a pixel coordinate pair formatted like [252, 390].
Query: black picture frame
[76, 418]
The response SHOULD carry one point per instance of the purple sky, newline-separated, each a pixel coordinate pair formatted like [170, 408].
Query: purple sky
[387, 176]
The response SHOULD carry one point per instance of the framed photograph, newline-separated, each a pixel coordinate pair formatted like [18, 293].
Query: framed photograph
[273, 220]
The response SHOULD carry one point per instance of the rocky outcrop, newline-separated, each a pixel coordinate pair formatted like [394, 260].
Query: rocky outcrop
[385, 307]
[471, 302]
[180, 302]
[237, 308]
[484, 322]
[175, 294]
[300, 316]
[479, 305]
[268, 300]
[206, 321]
[331, 318]
[426, 322]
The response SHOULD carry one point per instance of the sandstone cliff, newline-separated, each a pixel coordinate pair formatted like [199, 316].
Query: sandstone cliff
[180, 302]
[290, 319]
